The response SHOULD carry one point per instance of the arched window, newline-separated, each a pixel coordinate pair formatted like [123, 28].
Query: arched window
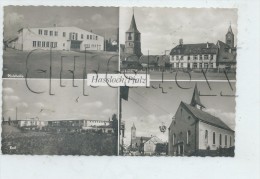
[129, 36]
[214, 138]
[206, 136]
[220, 139]
[173, 139]
[188, 136]
[225, 140]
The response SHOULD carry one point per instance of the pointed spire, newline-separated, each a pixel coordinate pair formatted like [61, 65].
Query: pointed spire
[196, 98]
[133, 27]
[133, 127]
[230, 29]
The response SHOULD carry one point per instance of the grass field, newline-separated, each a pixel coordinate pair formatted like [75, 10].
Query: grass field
[155, 75]
[14, 63]
[42, 143]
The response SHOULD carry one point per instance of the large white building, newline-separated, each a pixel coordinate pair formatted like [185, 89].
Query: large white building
[57, 38]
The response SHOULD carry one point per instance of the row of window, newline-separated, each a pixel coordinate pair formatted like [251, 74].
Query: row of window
[195, 65]
[44, 44]
[220, 139]
[73, 36]
[195, 57]
[46, 32]
[188, 134]
[91, 45]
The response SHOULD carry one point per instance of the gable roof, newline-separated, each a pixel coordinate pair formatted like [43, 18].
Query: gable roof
[133, 27]
[224, 56]
[137, 140]
[206, 117]
[155, 140]
[194, 49]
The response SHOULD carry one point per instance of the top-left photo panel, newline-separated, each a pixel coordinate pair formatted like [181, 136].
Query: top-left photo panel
[60, 42]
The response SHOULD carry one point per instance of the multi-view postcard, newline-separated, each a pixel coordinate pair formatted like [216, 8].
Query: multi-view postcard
[119, 81]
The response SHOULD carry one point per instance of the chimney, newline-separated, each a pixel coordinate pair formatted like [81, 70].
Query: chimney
[207, 45]
[181, 42]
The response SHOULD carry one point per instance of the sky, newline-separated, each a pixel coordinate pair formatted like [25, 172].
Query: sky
[99, 105]
[149, 108]
[161, 28]
[101, 20]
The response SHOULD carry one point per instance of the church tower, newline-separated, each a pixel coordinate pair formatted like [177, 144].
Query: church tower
[133, 39]
[195, 101]
[230, 37]
[133, 133]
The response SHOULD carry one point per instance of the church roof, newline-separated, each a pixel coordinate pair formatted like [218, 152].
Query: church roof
[133, 27]
[196, 98]
[224, 56]
[206, 117]
[194, 49]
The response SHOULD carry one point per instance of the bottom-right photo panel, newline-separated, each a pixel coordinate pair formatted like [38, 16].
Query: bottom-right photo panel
[178, 119]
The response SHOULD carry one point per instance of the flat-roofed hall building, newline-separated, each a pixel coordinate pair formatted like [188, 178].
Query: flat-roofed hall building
[57, 38]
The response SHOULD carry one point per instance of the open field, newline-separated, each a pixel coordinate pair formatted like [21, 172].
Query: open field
[42, 143]
[180, 75]
[155, 75]
[14, 63]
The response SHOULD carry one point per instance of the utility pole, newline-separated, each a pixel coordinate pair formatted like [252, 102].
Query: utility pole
[16, 111]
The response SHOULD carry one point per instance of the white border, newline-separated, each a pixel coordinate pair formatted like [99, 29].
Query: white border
[244, 165]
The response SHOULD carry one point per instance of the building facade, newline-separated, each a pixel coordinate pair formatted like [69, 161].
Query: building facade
[195, 132]
[150, 145]
[57, 38]
[194, 56]
[205, 55]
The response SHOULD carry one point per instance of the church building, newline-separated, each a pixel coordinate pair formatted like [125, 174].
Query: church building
[194, 132]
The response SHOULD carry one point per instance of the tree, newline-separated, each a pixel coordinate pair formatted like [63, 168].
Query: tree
[161, 148]
[9, 121]
[115, 124]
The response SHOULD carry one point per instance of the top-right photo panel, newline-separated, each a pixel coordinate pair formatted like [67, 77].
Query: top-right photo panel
[179, 43]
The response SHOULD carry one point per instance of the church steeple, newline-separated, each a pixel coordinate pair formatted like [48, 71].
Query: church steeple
[195, 101]
[133, 39]
[230, 37]
[133, 27]
[133, 132]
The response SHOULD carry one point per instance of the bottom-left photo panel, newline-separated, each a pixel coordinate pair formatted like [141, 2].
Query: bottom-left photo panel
[58, 117]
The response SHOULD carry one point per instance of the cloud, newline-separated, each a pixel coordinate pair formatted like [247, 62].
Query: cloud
[107, 111]
[22, 104]
[96, 104]
[96, 17]
[8, 91]
[39, 105]
[11, 98]
[13, 18]
[227, 117]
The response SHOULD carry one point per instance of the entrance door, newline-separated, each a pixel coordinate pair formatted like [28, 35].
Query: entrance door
[75, 45]
[181, 150]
